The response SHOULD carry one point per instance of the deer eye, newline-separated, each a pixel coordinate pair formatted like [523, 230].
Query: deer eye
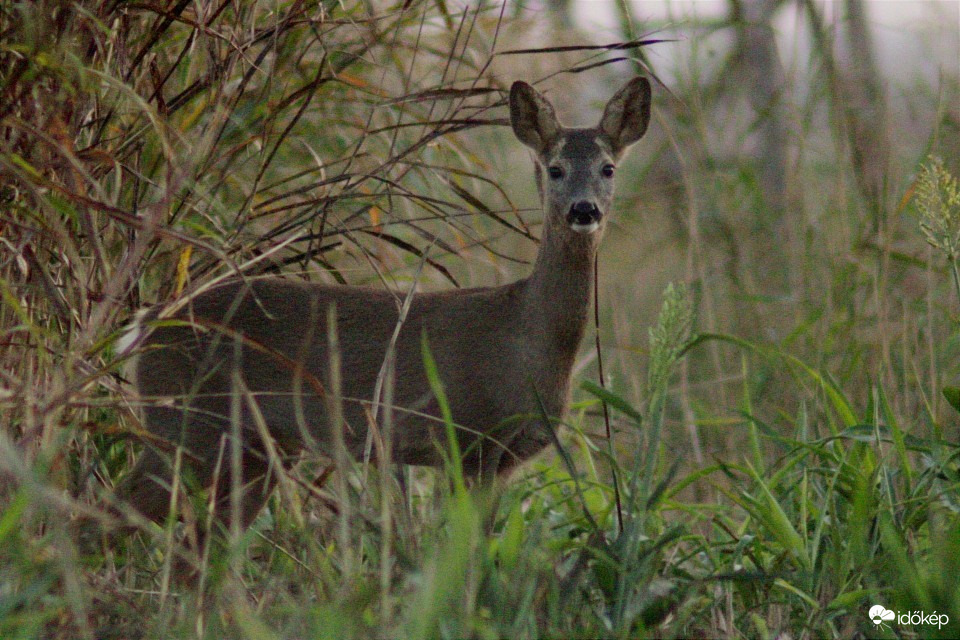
[555, 173]
[607, 171]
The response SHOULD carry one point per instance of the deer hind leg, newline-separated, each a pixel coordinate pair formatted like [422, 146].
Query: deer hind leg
[147, 488]
[206, 461]
[203, 433]
[255, 487]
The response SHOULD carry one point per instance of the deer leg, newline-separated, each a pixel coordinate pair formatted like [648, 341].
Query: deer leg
[256, 486]
[147, 487]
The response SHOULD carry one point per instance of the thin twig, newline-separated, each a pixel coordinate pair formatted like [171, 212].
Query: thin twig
[603, 385]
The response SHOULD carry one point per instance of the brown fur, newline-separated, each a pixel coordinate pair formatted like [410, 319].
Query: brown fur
[500, 351]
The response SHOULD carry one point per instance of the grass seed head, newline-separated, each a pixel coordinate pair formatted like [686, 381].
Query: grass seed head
[938, 199]
[671, 334]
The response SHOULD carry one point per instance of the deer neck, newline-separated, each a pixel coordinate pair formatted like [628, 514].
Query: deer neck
[558, 292]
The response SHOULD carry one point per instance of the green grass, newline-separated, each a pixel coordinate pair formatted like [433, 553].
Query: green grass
[786, 435]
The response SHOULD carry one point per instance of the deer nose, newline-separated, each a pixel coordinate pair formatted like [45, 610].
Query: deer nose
[584, 215]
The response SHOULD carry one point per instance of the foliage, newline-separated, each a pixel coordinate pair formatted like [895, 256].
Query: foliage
[785, 457]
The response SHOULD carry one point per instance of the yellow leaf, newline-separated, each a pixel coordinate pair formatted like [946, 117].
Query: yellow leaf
[907, 197]
[352, 80]
[183, 266]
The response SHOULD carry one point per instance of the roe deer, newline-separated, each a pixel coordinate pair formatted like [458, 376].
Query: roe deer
[500, 351]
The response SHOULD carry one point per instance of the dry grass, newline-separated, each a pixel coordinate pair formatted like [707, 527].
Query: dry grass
[797, 465]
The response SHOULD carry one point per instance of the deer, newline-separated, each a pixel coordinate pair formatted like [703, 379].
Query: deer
[257, 349]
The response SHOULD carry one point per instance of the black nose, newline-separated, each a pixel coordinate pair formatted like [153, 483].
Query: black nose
[583, 212]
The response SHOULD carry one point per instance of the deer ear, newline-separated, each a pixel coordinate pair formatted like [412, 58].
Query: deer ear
[532, 118]
[627, 115]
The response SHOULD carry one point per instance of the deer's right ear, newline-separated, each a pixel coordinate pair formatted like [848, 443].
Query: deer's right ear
[532, 118]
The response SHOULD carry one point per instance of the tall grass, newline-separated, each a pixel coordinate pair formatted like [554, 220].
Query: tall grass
[785, 432]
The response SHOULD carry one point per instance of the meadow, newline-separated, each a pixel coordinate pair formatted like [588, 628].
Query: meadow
[778, 309]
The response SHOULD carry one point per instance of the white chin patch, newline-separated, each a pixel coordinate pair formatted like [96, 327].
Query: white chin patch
[585, 228]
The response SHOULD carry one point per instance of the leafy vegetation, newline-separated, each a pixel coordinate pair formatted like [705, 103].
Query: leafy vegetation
[785, 436]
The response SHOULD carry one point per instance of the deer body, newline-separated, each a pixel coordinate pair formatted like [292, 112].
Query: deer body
[501, 352]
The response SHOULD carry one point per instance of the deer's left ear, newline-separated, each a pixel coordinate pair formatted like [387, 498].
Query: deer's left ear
[627, 115]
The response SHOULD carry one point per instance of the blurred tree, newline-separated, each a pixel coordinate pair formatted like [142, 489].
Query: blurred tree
[755, 64]
[758, 63]
[562, 12]
[858, 98]
[866, 110]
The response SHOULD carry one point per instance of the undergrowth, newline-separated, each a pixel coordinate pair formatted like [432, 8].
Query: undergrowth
[785, 437]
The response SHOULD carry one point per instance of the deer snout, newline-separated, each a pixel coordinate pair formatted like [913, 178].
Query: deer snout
[584, 217]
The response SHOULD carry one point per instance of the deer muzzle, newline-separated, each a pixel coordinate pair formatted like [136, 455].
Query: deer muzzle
[584, 217]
